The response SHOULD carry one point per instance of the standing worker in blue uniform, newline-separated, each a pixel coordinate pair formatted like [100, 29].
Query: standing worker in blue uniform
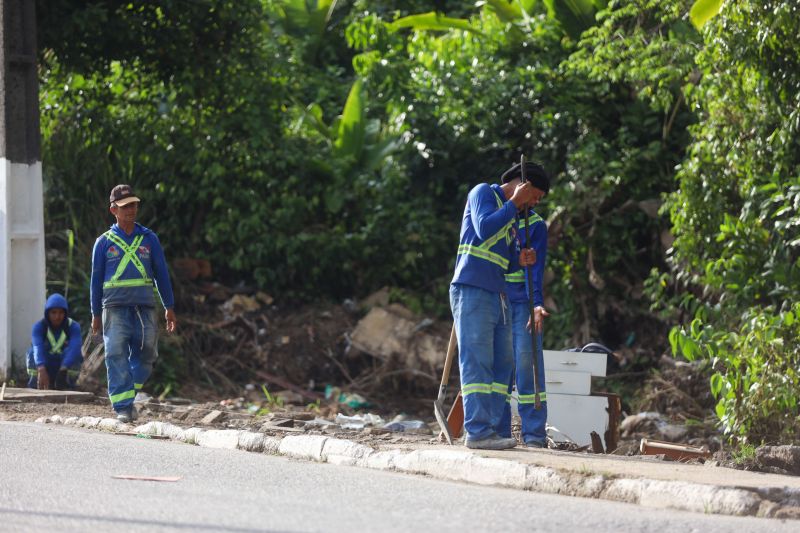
[127, 265]
[534, 433]
[486, 252]
[54, 358]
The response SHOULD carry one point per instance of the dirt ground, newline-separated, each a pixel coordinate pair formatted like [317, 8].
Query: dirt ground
[241, 362]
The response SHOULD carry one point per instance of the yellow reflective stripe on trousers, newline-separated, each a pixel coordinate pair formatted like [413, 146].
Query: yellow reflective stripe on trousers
[56, 345]
[33, 372]
[127, 395]
[137, 386]
[531, 398]
[492, 257]
[516, 277]
[499, 388]
[129, 257]
[473, 388]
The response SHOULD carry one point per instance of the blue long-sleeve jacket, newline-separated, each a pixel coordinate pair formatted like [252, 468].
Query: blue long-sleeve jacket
[106, 258]
[517, 283]
[486, 251]
[69, 351]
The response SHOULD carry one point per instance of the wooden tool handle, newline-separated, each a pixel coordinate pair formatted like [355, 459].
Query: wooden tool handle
[452, 346]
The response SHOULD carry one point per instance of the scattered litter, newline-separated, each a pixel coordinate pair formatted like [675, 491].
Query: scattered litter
[240, 303]
[147, 478]
[320, 422]
[350, 399]
[358, 421]
[408, 426]
[141, 435]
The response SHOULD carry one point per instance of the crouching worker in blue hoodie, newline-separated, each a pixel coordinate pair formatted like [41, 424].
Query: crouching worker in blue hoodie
[54, 358]
[128, 265]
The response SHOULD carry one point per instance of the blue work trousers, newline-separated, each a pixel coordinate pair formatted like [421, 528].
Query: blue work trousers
[485, 359]
[52, 364]
[131, 343]
[534, 420]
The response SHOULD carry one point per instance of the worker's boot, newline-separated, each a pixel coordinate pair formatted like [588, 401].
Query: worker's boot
[494, 442]
[125, 416]
[536, 444]
[128, 415]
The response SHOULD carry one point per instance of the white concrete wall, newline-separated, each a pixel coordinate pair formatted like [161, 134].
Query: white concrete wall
[22, 260]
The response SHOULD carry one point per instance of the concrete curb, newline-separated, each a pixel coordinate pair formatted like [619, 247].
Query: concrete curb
[469, 467]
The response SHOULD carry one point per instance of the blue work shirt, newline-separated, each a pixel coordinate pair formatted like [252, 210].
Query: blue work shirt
[486, 249]
[106, 258]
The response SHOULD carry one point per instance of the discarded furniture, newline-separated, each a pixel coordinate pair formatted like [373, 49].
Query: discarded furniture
[572, 409]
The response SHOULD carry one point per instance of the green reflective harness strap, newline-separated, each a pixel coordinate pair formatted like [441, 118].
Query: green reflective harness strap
[56, 346]
[531, 398]
[130, 257]
[127, 283]
[476, 388]
[482, 250]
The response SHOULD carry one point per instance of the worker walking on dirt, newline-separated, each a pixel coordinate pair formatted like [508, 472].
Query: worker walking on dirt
[534, 434]
[54, 358]
[127, 261]
[486, 252]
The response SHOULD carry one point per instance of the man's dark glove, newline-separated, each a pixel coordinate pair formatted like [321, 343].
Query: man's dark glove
[61, 379]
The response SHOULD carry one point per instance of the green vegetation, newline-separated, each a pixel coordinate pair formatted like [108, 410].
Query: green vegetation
[322, 149]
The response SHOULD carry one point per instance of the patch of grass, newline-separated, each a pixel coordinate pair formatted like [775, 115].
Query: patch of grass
[744, 454]
[272, 401]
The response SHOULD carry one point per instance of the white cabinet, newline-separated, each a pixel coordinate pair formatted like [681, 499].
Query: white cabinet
[577, 416]
[570, 407]
[561, 382]
[593, 363]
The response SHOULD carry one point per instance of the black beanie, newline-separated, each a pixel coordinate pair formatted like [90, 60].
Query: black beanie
[535, 173]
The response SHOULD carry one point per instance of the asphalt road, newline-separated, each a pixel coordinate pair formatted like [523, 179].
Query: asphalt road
[55, 478]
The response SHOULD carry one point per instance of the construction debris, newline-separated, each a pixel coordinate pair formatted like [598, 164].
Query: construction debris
[392, 333]
[671, 450]
[779, 459]
[36, 395]
[211, 417]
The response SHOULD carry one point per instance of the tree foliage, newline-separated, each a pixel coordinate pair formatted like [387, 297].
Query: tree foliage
[322, 149]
